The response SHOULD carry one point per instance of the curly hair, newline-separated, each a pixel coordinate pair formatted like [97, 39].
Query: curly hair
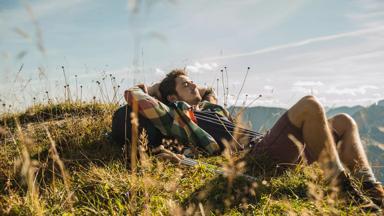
[168, 84]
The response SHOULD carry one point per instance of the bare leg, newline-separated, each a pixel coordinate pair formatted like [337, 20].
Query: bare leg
[350, 148]
[308, 114]
[353, 156]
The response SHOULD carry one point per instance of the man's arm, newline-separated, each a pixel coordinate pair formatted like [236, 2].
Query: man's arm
[167, 120]
[208, 94]
[150, 107]
[209, 99]
[154, 91]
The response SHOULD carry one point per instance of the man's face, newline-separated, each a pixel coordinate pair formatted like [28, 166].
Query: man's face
[187, 91]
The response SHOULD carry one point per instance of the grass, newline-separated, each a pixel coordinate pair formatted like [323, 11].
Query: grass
[57, 160]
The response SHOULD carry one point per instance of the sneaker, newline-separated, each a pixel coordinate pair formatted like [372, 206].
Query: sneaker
[348, 188]
[375, 191]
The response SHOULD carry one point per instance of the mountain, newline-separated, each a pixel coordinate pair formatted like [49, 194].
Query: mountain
[380, 103]
[343, 109]
[371, 121]
[259, 118]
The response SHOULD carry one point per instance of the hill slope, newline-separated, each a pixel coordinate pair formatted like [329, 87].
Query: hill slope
[57, 160]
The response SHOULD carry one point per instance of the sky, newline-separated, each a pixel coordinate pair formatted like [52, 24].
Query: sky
[331, 49]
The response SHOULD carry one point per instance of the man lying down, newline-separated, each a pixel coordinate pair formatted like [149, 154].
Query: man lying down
[177, 108]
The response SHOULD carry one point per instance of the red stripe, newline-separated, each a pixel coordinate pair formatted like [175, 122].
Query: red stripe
[192, 116]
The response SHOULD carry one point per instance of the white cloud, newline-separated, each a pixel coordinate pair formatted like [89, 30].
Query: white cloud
[268, 87]
[323, 100]
[272, 102]
[306, 87]
[255, 100]
[352, 101]
[300, 89]
[159, 72]
[304, 90]
[371, 15]
[308, 83]
[351, 91]
[302, 43]
[353, 65]
[202, 68]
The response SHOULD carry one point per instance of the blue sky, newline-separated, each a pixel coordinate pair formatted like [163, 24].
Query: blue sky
[331, 49]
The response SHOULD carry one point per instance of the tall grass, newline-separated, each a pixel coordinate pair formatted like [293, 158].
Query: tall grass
[56, 159]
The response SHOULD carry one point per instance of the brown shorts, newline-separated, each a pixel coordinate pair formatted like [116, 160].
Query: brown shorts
[277, 146]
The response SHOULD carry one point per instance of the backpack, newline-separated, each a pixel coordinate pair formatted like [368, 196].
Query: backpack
[121, 124]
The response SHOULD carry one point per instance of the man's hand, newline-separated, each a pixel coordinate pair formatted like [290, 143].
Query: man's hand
[143, 87]
[165, 154]
[208, 94]
[202, 91]
[151, 90]
[154, 91]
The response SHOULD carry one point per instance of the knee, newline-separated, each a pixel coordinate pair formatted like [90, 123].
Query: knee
[306, 109]
[311, 105]
[345, 121]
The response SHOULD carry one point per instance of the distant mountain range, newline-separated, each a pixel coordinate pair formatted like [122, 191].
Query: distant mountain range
[369, 119]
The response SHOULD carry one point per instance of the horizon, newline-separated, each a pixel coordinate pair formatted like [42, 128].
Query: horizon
[332, 50]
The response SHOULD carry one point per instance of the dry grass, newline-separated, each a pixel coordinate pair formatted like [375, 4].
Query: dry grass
[56, 160]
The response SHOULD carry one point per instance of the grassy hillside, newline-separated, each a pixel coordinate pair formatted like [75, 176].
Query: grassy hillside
[56, 160]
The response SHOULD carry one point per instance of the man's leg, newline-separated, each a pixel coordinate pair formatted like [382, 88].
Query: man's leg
[350, 148]
[353, 156]
[309, 115]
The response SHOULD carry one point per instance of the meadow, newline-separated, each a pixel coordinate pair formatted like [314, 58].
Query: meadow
[57, 159]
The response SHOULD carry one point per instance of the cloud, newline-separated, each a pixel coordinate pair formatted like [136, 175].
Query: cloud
[301, 43]
[202, 68]
[268, 102]
[353, 101]
[371, 15]
[304, 90]
[308, 83]
[159, 72]
[255, 100]
[351, 91]
[360, 63]
[306, 87]
[268, 87]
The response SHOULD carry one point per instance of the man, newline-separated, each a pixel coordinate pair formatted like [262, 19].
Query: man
[191, 115]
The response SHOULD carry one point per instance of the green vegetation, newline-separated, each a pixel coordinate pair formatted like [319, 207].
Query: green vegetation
[57, 160]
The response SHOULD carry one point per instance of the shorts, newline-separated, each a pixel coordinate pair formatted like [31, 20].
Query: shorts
[280, 149]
